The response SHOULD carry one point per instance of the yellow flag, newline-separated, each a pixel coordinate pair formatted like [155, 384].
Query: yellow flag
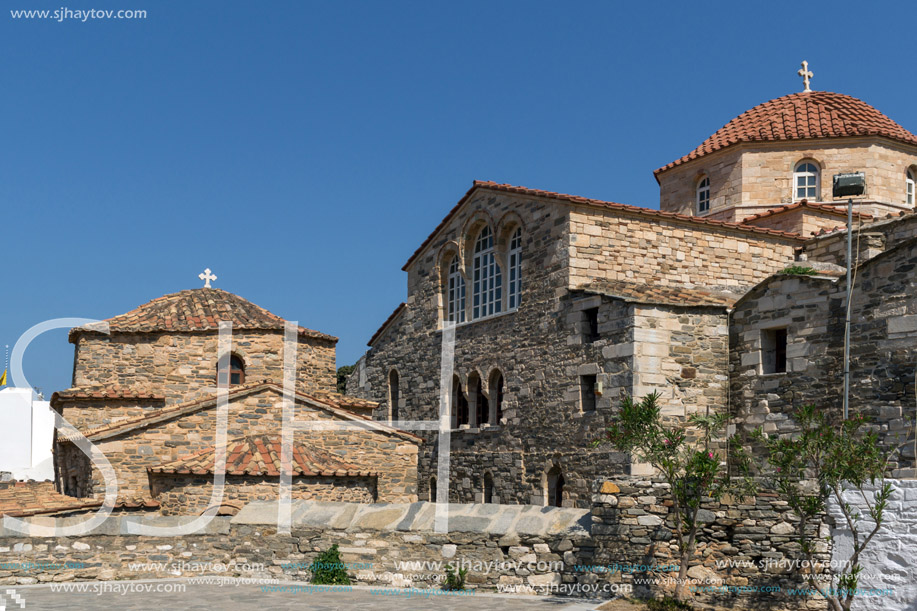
[3, 378]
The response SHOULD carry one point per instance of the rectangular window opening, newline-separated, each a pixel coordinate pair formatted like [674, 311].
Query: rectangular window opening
[773, 351]
[587, 393]
[591, 325]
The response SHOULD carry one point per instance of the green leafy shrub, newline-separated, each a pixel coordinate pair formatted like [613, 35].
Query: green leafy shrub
[327, 568]
[798, 270]
[667, 604]
[455, 580]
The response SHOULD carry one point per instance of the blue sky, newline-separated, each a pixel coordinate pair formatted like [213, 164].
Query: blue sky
[303, 150]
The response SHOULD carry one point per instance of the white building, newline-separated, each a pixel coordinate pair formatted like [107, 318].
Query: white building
[26, 435]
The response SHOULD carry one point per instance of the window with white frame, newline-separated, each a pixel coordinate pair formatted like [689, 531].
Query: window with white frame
[487, 289]
[703, 195]
[515, 269]
[455, 298]
[805, 181]
[910, 187]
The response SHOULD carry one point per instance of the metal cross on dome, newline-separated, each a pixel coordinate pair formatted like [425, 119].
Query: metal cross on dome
[806, 74]
[207, 276]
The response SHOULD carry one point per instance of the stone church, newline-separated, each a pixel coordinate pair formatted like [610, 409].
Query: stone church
[562, 305]
[145, 392]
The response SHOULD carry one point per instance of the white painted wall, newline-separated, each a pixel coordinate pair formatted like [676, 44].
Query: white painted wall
[26, 434]
[890, 559]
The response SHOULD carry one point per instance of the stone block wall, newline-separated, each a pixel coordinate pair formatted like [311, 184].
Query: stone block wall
[615, 245]
[131, 454]
[183, 495]
[183, 365]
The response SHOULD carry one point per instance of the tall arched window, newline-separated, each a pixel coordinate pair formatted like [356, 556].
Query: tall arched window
[910, 187]
[394, 394]
[236, 371]
[555, 491]
[459, 404]
[703, 195]
[805, 181]
[496, 397]
[488, 488]
[488, 281]
[515, 269]
[433, 489]
[455, 297]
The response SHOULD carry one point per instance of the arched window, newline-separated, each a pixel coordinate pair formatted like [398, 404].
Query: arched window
[487, 291]
[805, 181]
[236, 371]
[496, 397]
[703, 195]
[394, 395]
[555, 491]
[455, 297]
[488, 488]
[459, 404]
[433, 489]
[910, 187]
[515, 269]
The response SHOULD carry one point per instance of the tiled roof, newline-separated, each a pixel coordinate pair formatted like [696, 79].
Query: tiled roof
[388, 321]
[801, 116]
[193, 311]
[575, 199]
[805, 204]
[21, 499]
[260, 455]
[182, 409]
[663, 295]
[89, 393]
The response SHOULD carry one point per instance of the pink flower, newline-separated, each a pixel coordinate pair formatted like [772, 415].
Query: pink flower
[666, 442]
[709, 454]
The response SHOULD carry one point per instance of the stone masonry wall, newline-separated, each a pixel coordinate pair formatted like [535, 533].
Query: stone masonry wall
[183, 495]
[183, 365]
[132, 453]
[612, 245]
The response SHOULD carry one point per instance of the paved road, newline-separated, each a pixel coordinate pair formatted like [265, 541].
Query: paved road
[164, 595]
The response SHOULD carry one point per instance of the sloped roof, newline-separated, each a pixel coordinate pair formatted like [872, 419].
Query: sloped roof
[801, 116]
[90, 393]
[260, 455]
[21, 499]
[827, 208]
[575, 199]
[633, 292]
[164, 414]
[391, 318]
[195, 310]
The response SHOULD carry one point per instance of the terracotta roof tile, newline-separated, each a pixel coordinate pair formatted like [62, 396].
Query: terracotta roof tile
[574, 199]
[801, 116]
[331, 402]
[805, 204]
[663, 295]
[89, 393]
[21, 499]
[194, 311]
[260, 455]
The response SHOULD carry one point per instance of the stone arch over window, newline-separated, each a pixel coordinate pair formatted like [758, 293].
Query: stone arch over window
[488, 490]
[510, 234]
[702, 195]
[458, 404]
[452, 284]
[807, 181]
[554, 487]
[394, 394]
[432, 496]
[495, 387]
[236, 370]
[910, 182]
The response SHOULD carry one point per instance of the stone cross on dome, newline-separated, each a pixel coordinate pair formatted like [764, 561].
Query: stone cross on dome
[207, 276]
[806, 74]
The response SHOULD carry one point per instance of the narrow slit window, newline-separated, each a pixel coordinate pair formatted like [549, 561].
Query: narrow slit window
[773, 351]
[587, 393]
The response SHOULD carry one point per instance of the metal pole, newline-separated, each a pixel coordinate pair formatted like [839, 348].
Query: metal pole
[847, 317]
